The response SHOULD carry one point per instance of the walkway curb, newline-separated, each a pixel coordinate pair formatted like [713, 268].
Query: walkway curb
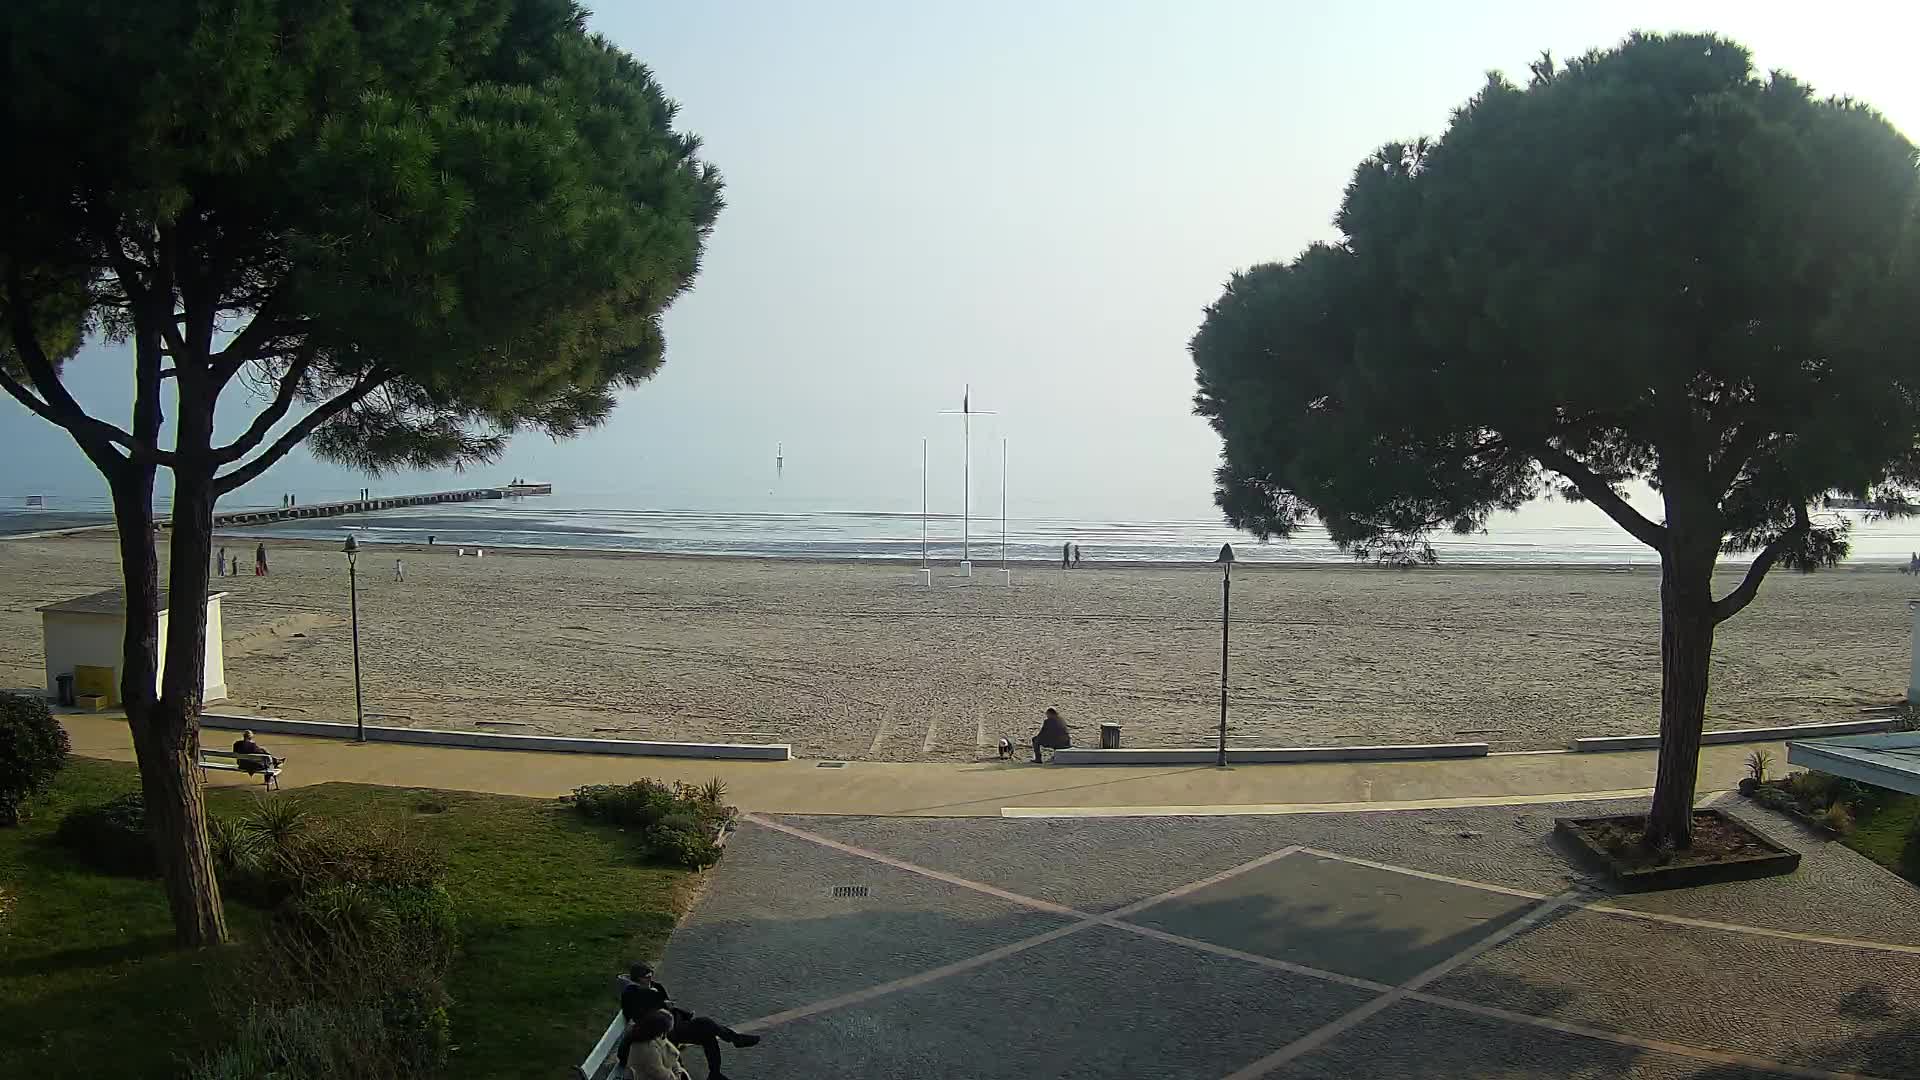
[1269, 755]
[1738, 735]
[489, 741]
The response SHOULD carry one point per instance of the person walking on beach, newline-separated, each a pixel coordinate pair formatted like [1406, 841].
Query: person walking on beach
[1066, 555]
[260, 559]
[220, 561]
[1076, 556]
[399, 570]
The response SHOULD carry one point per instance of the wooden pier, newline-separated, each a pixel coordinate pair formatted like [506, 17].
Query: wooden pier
[269, 515]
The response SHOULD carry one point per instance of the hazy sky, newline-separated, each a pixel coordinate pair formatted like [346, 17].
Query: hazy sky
[1034, 198]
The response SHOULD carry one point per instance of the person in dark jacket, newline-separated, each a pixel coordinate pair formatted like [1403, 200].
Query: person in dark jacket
[641, 994]
[1053, 735]
[251, 756]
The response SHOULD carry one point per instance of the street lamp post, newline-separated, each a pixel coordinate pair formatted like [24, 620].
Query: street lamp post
[353, 602]
[1225, 560]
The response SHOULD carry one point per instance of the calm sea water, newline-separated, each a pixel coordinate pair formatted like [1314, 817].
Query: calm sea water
[554, 522]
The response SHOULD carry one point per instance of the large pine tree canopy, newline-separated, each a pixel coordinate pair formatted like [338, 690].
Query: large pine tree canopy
[414, 226]
[397, 230]
[1650, 264]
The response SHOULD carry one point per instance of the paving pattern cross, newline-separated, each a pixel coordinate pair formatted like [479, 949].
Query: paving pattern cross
[1539, 909]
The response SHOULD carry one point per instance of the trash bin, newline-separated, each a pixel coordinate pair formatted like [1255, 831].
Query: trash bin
[1109, 736]
[63, 689]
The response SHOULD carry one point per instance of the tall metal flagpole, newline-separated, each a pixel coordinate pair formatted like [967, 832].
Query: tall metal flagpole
[967, 413]
[923, 501]
[1003, 502]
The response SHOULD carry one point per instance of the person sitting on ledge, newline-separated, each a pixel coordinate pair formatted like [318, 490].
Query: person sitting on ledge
[1053, 735]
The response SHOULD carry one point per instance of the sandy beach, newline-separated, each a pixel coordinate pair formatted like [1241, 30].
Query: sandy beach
[847, 660]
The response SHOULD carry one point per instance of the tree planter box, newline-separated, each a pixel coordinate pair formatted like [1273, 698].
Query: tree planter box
[1761, 855]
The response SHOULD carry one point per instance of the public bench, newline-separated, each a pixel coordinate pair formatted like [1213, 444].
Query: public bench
[227, 761]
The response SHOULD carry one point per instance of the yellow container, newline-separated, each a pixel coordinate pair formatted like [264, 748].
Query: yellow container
[91, 680]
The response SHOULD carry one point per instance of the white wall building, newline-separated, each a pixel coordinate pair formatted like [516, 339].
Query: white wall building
[91, 630]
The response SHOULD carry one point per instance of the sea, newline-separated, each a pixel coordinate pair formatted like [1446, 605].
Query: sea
[799, 532]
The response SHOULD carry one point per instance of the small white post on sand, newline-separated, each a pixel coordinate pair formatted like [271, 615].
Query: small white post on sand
[1913, 669]
[926, 572]
[1006, 576]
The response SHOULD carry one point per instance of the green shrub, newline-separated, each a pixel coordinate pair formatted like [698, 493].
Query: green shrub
[1758, 764]
[316, 1040]
[110, 836]
[379, 950]
[675, 825]
[639, 805]
[1910, 854]
[1839, 817]
[33, 747]
[237, 851]
[1865, 800]
[279, 852]
[679, 845]
[1813, 789]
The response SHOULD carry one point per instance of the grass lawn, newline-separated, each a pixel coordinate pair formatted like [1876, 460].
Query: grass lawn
[1882, 836]
[550, 909]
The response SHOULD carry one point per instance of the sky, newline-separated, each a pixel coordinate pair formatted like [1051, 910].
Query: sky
[1035, 200]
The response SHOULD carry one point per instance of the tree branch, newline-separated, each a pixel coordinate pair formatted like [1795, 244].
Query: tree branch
[1731, 604]
[97, 437]
[1740, 447]
[273, 414]
[1597, 491]
[298, 433]
[246, 345]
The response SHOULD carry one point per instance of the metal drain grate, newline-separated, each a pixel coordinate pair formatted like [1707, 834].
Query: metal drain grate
[841, 892]
[831, 765]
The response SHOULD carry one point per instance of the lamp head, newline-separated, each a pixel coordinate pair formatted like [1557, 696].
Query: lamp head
[1226, 554]
[352, 546]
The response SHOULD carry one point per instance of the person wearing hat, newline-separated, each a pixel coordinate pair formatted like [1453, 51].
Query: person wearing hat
[641, 995]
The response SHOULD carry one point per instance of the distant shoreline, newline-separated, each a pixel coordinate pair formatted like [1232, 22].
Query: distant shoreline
[949, 567]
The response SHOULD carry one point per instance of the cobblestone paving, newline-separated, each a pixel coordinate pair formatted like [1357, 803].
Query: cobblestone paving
[1406, 945]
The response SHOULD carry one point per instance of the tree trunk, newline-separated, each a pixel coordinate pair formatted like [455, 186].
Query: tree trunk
[176, 808]
[1686, 655]
[165, 726]
[168, 745]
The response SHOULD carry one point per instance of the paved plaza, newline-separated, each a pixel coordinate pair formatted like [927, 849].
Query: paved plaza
[1414, 944]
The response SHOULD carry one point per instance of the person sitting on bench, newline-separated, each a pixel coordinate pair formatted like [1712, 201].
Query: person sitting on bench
[252, 757]
[1053, 735]
[646, 1053]
[641, 995]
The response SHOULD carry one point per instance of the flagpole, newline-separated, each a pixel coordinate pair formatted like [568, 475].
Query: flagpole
[1003, 502]
[923, 501]
[966, 475]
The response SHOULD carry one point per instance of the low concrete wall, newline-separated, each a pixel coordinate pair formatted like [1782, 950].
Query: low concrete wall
[1739, 735]
[489, 741]
[1251, 755]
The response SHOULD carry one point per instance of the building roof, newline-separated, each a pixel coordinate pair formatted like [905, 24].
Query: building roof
[1889, 761]
[105, 602]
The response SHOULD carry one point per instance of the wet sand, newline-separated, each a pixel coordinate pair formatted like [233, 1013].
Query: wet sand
[849, 660]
